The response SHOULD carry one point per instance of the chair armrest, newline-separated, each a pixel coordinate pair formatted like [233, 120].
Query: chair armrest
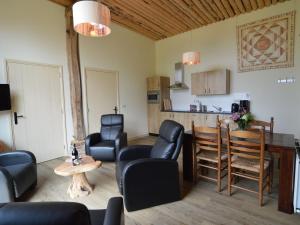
[91, 140]
[134, 152]
[114, 214]
[46, 213]
[121, 142]
[16, 157]
[150, 182]
[6, 186]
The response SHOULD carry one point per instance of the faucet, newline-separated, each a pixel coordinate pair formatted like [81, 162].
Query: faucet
[219, 109]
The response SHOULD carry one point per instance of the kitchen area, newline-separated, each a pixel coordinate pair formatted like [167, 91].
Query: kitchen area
[215, 84]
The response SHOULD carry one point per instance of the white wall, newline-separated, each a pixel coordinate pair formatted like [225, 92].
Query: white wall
[132, 55]
[34, 31]
[217, 44]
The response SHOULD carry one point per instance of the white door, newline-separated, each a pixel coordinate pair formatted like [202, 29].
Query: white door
[101, 96]
[37, 103]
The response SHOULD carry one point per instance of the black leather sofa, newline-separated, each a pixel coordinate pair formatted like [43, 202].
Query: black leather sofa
[18, 173]
[148, 175]
[61, 213]
[105, 145]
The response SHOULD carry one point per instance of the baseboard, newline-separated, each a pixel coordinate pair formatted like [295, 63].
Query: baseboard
[138, 137]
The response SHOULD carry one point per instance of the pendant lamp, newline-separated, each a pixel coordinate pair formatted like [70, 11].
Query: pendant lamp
[91, 18]
[191, 57]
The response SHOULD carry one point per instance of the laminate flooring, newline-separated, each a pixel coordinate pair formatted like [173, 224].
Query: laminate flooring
[201, 204]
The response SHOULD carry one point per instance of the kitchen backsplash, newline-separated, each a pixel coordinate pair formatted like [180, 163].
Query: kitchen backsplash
[181, 100]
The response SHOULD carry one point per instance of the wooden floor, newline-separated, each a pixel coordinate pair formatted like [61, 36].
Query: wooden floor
[200, 205]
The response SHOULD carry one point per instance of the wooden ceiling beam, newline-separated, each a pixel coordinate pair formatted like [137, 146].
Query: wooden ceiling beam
[158, 19]
[221, 8]
[216, 9]
[235, 7]
[253, 4]
[180, 15]
[188, 11]
[228, 8]
[247, 5]
[203, 10]
[135, 15]
[260, 3]
[65, 3]
[164, 19]
[169, 12]
[210, 10]
[268, 2]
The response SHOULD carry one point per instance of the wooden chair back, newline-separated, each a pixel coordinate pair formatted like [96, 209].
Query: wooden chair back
[263, 124]
[207, 138]
[247, 144]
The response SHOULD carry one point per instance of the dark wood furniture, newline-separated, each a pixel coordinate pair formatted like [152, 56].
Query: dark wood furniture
[208, 154]
[246, 158]
[283, 144]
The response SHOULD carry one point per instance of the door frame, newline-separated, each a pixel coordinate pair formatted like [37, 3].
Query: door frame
[85, 97]
[62, 96]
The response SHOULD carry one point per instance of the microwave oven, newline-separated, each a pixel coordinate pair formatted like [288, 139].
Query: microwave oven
[153, 97]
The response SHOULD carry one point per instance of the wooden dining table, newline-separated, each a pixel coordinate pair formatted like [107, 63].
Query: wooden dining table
[280, 143]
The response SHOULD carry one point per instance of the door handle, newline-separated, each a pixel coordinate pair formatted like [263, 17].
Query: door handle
[116, 109]
[16, 117]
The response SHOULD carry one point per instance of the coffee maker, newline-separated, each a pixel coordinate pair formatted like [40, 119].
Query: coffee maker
[244, 106]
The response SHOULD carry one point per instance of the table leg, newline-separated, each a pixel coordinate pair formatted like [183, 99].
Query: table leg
[187, 158]
[286, 181]
[79, 186]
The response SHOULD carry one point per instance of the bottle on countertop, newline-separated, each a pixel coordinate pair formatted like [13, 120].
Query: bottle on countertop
[74, 155]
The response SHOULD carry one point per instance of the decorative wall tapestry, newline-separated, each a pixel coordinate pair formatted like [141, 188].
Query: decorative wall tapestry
[267, 43]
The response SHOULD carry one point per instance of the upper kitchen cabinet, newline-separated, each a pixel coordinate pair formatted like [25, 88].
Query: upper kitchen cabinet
[153, 83]
[215, 82]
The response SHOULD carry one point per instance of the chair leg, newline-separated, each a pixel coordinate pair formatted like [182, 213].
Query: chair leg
[260, 192]
[219, 177]
[229, 177]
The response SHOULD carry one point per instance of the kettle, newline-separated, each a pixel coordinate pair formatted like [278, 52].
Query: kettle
[234, 108]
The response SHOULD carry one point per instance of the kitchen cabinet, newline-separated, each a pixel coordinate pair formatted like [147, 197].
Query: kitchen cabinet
[160, 86]
[215, 82]
[153, 83]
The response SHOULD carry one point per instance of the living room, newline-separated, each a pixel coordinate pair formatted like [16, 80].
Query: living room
[60, 89]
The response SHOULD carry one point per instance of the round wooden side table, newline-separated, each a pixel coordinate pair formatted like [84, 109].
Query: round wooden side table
[79, 185]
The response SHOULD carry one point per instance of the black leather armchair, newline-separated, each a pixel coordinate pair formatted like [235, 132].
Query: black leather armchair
[18, 173]
[61, 213]
[148, 175]
[105, 145]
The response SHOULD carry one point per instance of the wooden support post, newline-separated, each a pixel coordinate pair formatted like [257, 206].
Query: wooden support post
[75, 77]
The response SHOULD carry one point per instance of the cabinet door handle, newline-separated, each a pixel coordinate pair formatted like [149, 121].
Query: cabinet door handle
[208, 90]
[205, 90]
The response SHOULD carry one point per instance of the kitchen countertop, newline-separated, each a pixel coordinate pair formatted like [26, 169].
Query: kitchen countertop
[208, 112]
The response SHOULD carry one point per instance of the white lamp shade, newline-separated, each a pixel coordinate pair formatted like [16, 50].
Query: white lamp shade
[191, 58]
[91, 18]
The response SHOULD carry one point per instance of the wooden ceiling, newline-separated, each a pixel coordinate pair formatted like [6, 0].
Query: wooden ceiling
[159, 19]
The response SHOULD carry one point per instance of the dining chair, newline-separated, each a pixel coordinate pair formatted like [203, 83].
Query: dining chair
[259, 124]
[208, 154]
[246, 159]
[268, 126]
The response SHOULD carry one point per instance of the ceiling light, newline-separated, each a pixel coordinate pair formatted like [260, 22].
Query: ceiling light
[191, 58]
[91, 18]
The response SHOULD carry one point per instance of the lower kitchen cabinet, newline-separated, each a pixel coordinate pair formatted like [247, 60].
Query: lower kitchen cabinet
[186, 118]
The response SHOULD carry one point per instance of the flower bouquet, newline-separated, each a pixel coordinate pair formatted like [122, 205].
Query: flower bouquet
[242, 119]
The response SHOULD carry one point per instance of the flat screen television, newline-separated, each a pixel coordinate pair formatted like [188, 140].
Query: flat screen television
[5, 103]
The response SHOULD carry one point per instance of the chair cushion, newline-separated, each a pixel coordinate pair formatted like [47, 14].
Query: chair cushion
[104, 150]
[162, 149]
[248, 164]
[24, 175]
[119, 173]
[97, 216]
[111, 126]
[211, 156]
